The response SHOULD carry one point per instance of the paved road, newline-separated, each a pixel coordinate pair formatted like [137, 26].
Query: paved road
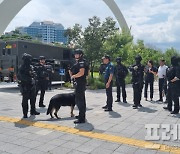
[120, 131]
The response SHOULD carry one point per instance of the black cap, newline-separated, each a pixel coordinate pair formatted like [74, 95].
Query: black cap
[78, 51]
[41, 58]
[106, 57]
[26, 56]
[138, 57]
[174, 60]
[118, 59]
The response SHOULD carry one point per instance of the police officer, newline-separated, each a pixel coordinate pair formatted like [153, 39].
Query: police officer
[178, 75]
[173, 86]
[50, 72]
[120, 72]
[78, 73]
[108, 78]
[26, 76]
[137, 81]
[43, 78]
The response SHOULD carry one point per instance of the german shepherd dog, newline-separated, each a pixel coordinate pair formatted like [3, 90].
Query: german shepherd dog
[61, 100]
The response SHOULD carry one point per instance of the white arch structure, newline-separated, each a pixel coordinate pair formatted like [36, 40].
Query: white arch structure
[10, 8]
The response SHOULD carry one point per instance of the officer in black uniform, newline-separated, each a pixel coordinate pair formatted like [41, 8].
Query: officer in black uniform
[26, 77]
[50, 72]
[43, 78]
[137, 81]
[78, 73]
[173, 86]
[120, 72]
[108, 78]
[178, 76]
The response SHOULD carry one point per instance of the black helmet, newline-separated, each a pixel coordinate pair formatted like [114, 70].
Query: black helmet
[106, 57]
[78, 51]
[174, 60]
[26, 56]
[138, 57]
[42, 58]
[118, 59]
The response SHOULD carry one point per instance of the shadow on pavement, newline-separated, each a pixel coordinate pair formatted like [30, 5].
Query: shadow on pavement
[146, 109]
[114, 114]
[156, 102]
[176, 115]
[124, 104]
[10, 90]
[23, 123]
[42, 110]
[89, 109]
[85, 126]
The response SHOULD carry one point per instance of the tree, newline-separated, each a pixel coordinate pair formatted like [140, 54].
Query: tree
[169, 53]
[15, 35]
[118, 45]
[108, 28]
[74, 35]
[94, 36]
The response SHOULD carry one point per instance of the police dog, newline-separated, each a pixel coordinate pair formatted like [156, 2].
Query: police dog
[61, 100]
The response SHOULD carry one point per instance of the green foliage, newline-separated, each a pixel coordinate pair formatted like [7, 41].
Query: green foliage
[15, 36]
[169, 53]
[117, 45]
[68, 85]
[92, 38]
[90, 81]
[95, 83]
[100, 38]
[128, 79]
[74, 35]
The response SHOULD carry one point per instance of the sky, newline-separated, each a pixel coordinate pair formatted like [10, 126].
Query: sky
[157, 22]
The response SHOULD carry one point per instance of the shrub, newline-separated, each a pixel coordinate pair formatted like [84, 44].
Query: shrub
[68, 85]
[128, 79]
[95, 83]
[90, 81]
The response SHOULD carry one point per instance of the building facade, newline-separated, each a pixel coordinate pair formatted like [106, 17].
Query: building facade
[46, 32]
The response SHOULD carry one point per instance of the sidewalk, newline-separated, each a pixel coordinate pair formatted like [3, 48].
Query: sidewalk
[106, 133]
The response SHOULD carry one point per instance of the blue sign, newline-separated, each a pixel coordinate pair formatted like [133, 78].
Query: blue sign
[61, 71]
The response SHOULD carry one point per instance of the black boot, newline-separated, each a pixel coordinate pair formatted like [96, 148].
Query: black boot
[79, 121]
[77, 117]
[41, 104]
[25, 116]
[105, 107]
[175, 112]
[124, 101]
[35, 113]
[166, 108]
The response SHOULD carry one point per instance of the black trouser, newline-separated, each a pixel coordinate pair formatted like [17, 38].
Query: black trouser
[28, 93]
[162, 86]
[81, 100]
[137, 93]
[42, 86]
[151, 89]
[172, 95]
[121, 84]
[49, 84]
[109, 95]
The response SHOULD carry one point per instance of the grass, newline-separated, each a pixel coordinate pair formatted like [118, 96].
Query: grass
[96, 74]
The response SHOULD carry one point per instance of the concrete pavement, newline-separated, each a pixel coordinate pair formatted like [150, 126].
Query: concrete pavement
[116, 132]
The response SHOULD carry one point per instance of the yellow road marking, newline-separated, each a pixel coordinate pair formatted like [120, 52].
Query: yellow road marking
[106, 137]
